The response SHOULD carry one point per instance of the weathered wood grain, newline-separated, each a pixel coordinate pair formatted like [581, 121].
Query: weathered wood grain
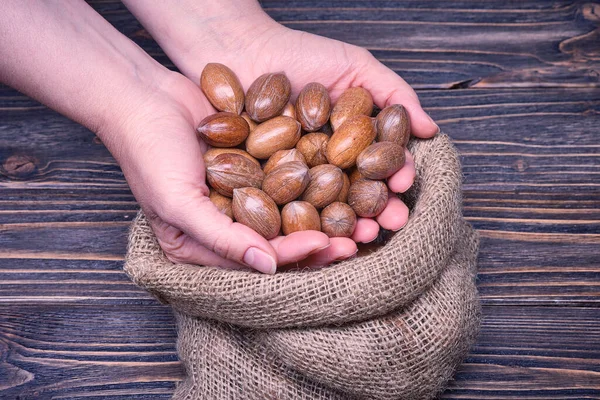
[444, 45]
[115, 352]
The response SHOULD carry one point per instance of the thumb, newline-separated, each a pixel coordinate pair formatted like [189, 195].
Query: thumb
[389, 88]
[200, 219]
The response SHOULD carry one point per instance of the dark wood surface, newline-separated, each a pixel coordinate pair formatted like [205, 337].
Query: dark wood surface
[515, 84]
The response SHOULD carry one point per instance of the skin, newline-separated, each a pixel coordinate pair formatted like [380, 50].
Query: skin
[68, 57]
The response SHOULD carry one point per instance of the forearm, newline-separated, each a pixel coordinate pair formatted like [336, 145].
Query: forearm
[200, 29]
[68, 57]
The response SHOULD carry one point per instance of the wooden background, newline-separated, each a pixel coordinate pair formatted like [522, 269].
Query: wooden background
[515, 84]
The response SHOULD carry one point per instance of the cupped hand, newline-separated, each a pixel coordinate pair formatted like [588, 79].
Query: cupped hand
[304, 57]
[162, 159]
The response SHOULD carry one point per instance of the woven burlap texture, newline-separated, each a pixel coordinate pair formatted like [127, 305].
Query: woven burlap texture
[393, 324]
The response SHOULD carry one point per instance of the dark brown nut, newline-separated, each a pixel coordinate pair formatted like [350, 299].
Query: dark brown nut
[313, 146]
[325, 184]
[267, 96]
[355, 135]
[338, 220]
[393, 125]
[380, 160]
[251, 124]
[222, 88]
[223, 129]
[282, 157]
[354, 101]
[253, 208]
[355, 175]
[222, 203]
[289, 111]
[212, 153]
[343, 196]
[286, 182]
[279, 133]
[313, 106]
[368, 198]
[229, 171]
[299, 216]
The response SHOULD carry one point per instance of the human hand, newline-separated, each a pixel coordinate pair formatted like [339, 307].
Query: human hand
[251, 44]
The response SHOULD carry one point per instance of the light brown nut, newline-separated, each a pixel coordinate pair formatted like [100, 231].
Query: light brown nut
[380, 160]
[368, 198]
[286, 182]
[282, 157]
[267, 96]
[212, 153]
[221, 202]
[222, 88]
[253, 208]
[393, 125]
[338, 220]
[223, 129]
[355, 135]
[229, 171]
[313, 106]
[343, 196]
[289, 111]
[354, 101]
[313, 146]
[251, 124]
[325, 184]
[279, 133]
[299, 216]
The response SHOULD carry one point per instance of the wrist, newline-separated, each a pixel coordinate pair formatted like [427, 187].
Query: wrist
[193, 35]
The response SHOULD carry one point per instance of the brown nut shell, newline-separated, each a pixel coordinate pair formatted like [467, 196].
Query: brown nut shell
[282, 157]
[289, 111]
[354, 101]
[313, 106]
[286, 182]
[279, 133]
[325, 184]
[338, 220]
[355, 175]
[393, 125]
[299, 216]
[253, 208]
[343, 196]
[380, 160]
[222, 88]
[229, 171]
[355, 135]
[251, 124]
[212, 153]
[267, 96]
[221, 202]
[313, 146]
[223, 129]
[368, 198]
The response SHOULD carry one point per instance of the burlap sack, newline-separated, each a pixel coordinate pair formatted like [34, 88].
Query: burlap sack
[393, 324]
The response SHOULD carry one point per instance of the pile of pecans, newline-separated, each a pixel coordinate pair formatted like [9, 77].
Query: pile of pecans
[322, 166]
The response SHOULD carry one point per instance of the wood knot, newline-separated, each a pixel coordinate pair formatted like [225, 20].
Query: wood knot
[520, 165]
[591, 11]
[19, 166]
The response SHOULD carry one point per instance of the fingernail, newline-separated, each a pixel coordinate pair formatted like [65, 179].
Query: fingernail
[260, 260]
[436, 125]
[315, 251]
[347, 256]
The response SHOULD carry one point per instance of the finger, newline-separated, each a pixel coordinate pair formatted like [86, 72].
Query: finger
[216, 232]
[402, 180]
[299, 245]
[340, 249]
[388, 88]
[366, 230]
[395, 214]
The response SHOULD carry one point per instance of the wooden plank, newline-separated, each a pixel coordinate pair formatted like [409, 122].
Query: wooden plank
[115, 352]
[449, 45]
